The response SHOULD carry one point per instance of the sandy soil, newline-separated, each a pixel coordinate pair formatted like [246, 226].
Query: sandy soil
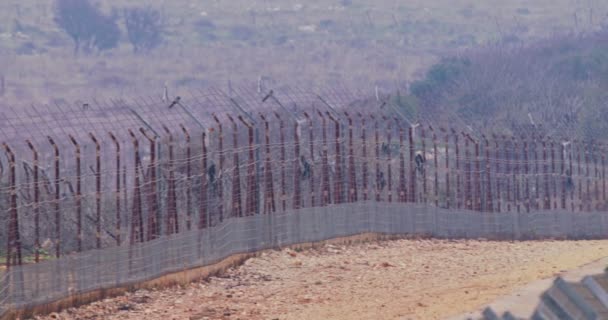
[403, 279]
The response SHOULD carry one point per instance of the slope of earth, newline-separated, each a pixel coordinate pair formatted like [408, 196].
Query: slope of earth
[403, 279]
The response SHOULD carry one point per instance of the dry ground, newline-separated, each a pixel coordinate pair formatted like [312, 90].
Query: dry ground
[404, 279]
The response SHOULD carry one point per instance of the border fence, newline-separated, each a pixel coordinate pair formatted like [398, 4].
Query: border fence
[105, 194]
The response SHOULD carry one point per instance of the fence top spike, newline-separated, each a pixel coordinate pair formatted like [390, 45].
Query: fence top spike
[30, 145]
[240, 117]
[185, 130]
[51, 141]
[143, 131]
[214, 115]
[167, 130]
[74, 141]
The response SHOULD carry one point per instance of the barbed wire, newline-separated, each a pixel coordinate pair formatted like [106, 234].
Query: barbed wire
[120, 173]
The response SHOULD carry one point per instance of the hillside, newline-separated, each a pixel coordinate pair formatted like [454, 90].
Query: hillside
[314, 43]
[556, 86]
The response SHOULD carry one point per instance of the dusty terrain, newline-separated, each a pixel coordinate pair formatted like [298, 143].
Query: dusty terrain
[404, 279]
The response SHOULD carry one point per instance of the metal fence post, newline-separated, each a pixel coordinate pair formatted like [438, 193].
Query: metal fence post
[269, 201]
[222, 159]
[137, 222]
[188, 176]
[118, 191]
[237, 210]
[152, 196]
[171, 219]
[36, 202]
[14, 239]
[57, 208]
[78, 193]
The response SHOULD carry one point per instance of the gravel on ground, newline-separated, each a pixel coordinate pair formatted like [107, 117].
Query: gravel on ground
[400, 279]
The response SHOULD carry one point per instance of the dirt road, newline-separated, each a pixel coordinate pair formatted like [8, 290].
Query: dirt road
[403, 279]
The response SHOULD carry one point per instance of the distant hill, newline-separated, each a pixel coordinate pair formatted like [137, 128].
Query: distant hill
[360, 43]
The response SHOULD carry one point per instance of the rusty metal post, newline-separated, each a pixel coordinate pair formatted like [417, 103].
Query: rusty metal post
[377, 154]
[516, 173]
[312, 160]
[389, 129]
[507, 172]
[499, 199]
[547, 202]
[553, 173]
[457, 156]
[571, 174]
[222, 159]
[171, 218]
[489, 198]
[588, 197]
[563, 175]
[477, 175]
[596, 174]
[338, 177]
[118, 191]
[326, 198]
[125, 189]
[269, 202]
[78, 193]
[57, 208]
[283, 158]
[297, 178]
[473, 178]
[153, 226]
[97, 189]
[352, 179]
[448, 194]
[236, 178]
[580, 176]
[535, 140]
[402, 182]
[36, 202]
[14, 239]
[436, 167]
[603, 164]
[424, 197]
[526, 173]
[251, 204]
[188, 177]
[467, 179]
[365, 169]
[137, 220]
[203, 218]
[412, 165]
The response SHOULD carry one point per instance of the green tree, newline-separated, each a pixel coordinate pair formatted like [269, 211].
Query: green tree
[88, 27]
[144, 28]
